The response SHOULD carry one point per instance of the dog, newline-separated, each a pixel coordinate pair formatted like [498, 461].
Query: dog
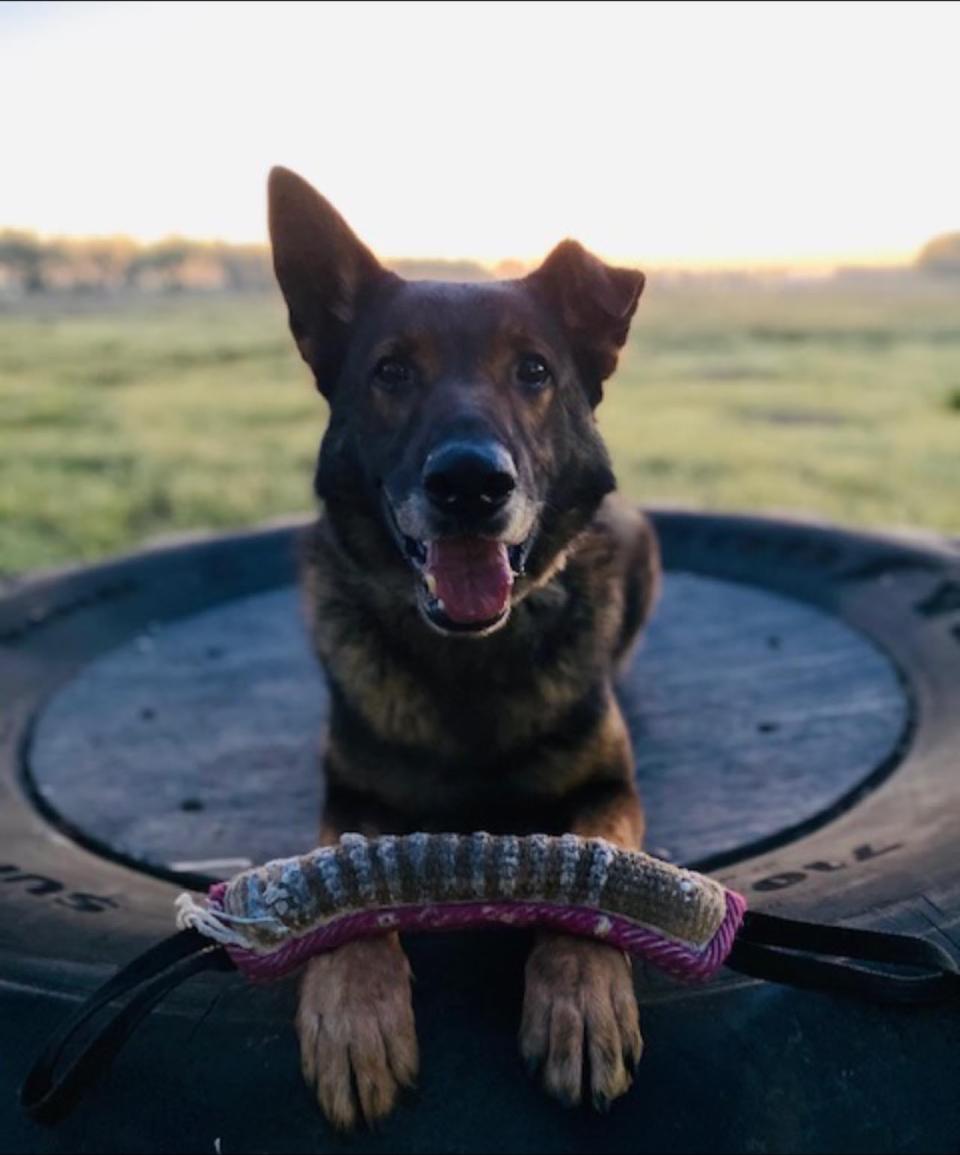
[473, 584]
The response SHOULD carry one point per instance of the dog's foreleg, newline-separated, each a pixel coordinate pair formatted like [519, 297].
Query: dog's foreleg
[580, 1028]
[358, 1042]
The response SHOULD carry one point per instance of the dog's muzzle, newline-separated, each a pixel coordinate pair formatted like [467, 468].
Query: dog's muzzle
[459, 531]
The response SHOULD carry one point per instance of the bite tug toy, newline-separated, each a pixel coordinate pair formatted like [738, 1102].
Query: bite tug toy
[269, 920]
[273, 918]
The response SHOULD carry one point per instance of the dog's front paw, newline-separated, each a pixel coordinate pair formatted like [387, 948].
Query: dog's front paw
[580, 1017]
[358, 1044]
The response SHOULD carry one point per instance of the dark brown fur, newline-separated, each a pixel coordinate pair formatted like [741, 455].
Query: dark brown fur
[515, 731]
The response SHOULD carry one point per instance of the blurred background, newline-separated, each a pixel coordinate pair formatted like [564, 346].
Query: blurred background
[783, 171]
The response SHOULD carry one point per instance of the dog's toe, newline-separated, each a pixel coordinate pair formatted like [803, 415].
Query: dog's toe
[580, 1026]
[358, 1042]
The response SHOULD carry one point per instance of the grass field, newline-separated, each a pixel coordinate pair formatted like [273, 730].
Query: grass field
[120, 424]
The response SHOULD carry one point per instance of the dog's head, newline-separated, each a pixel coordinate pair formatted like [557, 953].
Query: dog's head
[461, 415]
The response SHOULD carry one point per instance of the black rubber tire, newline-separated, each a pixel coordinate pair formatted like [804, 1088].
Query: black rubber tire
[762, 1071]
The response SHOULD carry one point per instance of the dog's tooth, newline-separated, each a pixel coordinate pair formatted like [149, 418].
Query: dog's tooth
[431, 583]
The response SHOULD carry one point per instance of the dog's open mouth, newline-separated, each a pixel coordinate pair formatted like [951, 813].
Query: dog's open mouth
[465, 582]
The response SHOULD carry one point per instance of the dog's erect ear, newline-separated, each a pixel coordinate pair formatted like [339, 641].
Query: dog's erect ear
[595, 302]
[323, 270]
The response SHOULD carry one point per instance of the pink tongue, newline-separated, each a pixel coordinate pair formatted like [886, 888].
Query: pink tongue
[473, 577]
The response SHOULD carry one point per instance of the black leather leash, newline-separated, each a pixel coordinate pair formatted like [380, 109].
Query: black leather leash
[47, 1095]
[873, 965]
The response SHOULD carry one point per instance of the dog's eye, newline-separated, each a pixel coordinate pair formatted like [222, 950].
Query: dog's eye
[533, 371]
[392, 373]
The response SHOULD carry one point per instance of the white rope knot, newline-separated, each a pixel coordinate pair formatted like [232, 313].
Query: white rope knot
[219, 924]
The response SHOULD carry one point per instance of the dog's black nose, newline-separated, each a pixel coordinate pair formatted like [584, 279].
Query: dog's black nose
[469, 478]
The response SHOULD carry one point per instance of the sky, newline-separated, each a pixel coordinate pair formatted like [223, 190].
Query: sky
[677, 133]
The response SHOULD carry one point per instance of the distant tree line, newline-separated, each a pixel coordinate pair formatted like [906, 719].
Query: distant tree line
[941, 256]
[32, 265]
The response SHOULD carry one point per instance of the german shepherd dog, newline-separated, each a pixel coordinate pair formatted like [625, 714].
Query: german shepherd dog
[473, 585]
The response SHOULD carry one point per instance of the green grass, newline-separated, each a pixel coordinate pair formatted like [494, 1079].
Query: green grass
[120, 424]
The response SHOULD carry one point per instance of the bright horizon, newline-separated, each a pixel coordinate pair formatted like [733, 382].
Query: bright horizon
[684, 135]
